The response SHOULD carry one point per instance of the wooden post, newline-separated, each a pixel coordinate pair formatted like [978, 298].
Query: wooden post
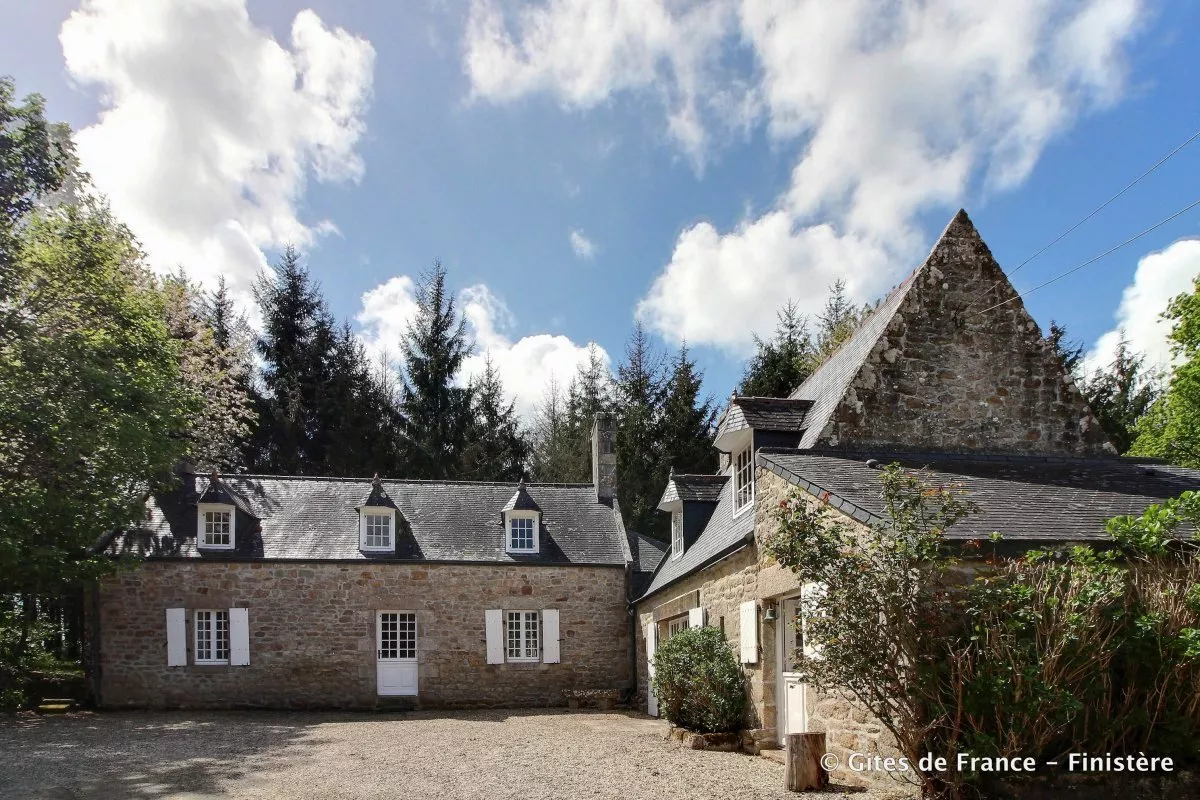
[803, 763]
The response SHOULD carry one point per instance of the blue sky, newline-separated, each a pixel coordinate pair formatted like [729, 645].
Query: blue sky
[717, 161]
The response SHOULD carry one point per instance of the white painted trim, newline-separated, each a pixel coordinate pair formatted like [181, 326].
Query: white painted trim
[509, 516]
[378, 511]
[213, 642]
[524, 642]
[808, 592]
[733, 459]
[651, 635]
[239, 637]
[493, 620]
[176, 637]
[748, 632]
[201, 508]
[551, 652]
[676, 534]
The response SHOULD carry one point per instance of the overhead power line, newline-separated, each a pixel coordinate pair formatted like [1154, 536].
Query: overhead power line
[1095, 211]
[1093, 260]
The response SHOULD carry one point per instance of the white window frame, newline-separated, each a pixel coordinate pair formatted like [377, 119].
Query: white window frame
[202, 512]
[522, 639]
[676, 534]
[743, 479]
[512, 516]
[212, 640]
[677, 625]
[364, 514]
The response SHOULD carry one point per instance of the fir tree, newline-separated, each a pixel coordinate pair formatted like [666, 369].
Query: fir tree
[1069, 351]
[640, 393]
[688, 421]
[1121, 394]
[497, 448]
[834, 325]
[563, 424]
[549, 436]
[293, 345]
[780, 364]
[436, 413]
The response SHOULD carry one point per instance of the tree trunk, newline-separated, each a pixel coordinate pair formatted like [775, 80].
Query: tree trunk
[804, 770]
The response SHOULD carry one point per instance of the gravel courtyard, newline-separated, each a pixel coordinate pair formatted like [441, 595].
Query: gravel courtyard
[446, 755]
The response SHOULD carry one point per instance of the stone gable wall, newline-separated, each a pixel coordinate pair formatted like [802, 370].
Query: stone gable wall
[312, 633]
[946, 377]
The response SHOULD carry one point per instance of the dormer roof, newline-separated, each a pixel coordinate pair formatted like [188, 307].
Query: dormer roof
[218, 493]
[774, 414]
[691, 489]
[520, 501]
[378, 498]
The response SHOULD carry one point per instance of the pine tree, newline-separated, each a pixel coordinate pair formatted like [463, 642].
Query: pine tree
[497, 448]
[780, 364]
[294, 342]
[1121, 394]
[688, 421]
[1070, 351]
[436, 413]
[640, 393]
[234, 340]
[835, 324]
[563, 425]
[548, 435]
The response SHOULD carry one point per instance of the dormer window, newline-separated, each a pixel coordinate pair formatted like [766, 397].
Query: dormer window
[676, 534]
[216, 526]
[377, 528]
[522, 522]
[377, 521]
[743, 480]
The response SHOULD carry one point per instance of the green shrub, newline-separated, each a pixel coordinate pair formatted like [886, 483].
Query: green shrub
[698, 681]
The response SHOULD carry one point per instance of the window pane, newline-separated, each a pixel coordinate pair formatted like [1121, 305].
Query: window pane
[378, 530]
[514, 634]
[216, 527]
[204, 636]
[676, 533]
[531, 634]
[521, 534]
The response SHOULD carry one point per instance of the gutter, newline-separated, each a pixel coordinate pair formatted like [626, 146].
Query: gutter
[712, 560]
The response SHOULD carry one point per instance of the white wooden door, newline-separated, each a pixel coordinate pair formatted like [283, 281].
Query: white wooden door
[651, 646]
[396, 656]
[791, 692]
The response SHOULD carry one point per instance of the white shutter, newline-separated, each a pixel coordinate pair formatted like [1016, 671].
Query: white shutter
[696, 618]
[810, 593]
[239, 637]
[651, 699]
[748, 632]
[176, 637]
[550, 651]
[495, 635]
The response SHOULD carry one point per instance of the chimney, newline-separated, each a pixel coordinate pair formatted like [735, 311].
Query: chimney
[604, 460]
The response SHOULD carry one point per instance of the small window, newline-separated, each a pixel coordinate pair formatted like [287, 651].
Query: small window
[676, 625]
[676, 534]
[523, 636]
[216, 527]
[521, 534]
[743, 480]
[379, 531]
[212, 637]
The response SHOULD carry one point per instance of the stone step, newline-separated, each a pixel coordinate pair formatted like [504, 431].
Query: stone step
[396, 703]
[777, 756]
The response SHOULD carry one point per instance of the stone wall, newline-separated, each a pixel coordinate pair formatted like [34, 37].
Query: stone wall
[745, 575]
[312, 633]
[953, 373]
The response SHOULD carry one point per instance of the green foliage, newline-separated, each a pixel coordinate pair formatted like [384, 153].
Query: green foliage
[1121, 394]
[497, 449]
[1171, 427]
[781, 364]
[1069, 351]
[641, 391]
[698, 681]
[93, 407]
[1052, 652]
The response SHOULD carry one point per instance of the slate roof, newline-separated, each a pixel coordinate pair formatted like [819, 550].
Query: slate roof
[646, 551]
[826, 386]
[1026, 498]
[769, 413]
[521, 500]
[693, 488]
[723, 533]
[315, 518]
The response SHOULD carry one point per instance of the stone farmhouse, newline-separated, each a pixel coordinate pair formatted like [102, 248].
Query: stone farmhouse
[276, 591]
[939, 376]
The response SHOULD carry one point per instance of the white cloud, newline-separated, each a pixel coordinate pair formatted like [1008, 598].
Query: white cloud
[526, 365]
[1160, 276]
[211, 128]
[892, 109]
[583, 246]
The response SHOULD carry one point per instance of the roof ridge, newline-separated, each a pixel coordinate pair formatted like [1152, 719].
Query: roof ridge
[344, 479]
[884, 453]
